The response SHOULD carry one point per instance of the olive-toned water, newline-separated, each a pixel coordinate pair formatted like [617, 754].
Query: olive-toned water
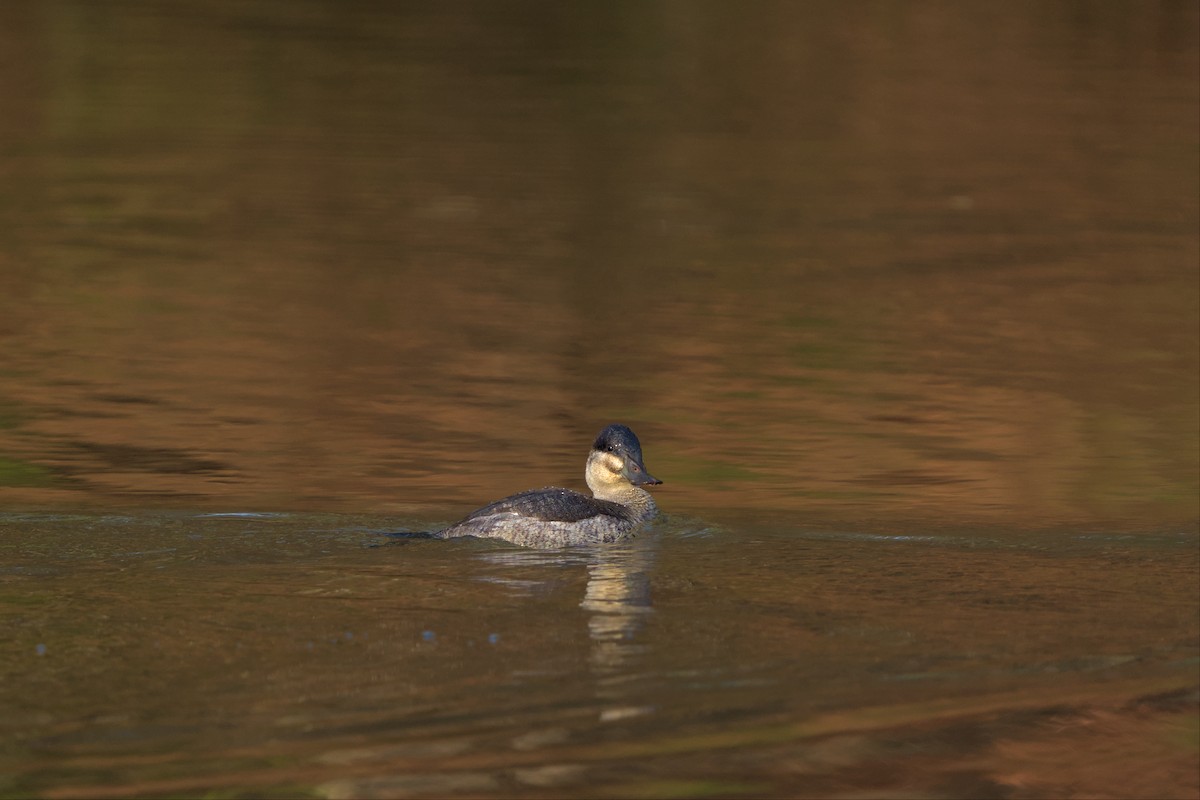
[902, 299]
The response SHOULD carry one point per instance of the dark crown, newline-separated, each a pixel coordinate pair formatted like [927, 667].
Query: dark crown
[618, 438]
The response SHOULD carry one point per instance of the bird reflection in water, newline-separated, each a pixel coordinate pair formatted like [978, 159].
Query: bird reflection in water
[618, 601]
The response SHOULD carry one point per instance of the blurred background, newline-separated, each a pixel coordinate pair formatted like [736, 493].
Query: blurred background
[902, 298]
[913, 261]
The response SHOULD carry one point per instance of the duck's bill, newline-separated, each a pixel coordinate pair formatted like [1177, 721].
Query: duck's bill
[638, 476]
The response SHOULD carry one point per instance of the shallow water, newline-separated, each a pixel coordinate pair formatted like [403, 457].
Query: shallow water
[192, 654]
[903, 301]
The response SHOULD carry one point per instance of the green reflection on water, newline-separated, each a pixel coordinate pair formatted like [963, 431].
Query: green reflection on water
[14, 472]
[669, 789]
[702, 471]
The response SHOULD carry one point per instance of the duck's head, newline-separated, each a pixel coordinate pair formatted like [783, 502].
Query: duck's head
[616, 461]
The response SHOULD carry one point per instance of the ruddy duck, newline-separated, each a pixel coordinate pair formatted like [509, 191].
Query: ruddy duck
[554, 517]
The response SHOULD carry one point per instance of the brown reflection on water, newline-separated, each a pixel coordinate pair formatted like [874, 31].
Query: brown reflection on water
[935, 263]
[927, 271]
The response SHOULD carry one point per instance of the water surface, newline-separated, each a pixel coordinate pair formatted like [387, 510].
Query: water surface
[320, 655]
[903, 301]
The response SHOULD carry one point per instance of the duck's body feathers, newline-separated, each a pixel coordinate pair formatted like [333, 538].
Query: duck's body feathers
[550, 504]
[555, 517]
